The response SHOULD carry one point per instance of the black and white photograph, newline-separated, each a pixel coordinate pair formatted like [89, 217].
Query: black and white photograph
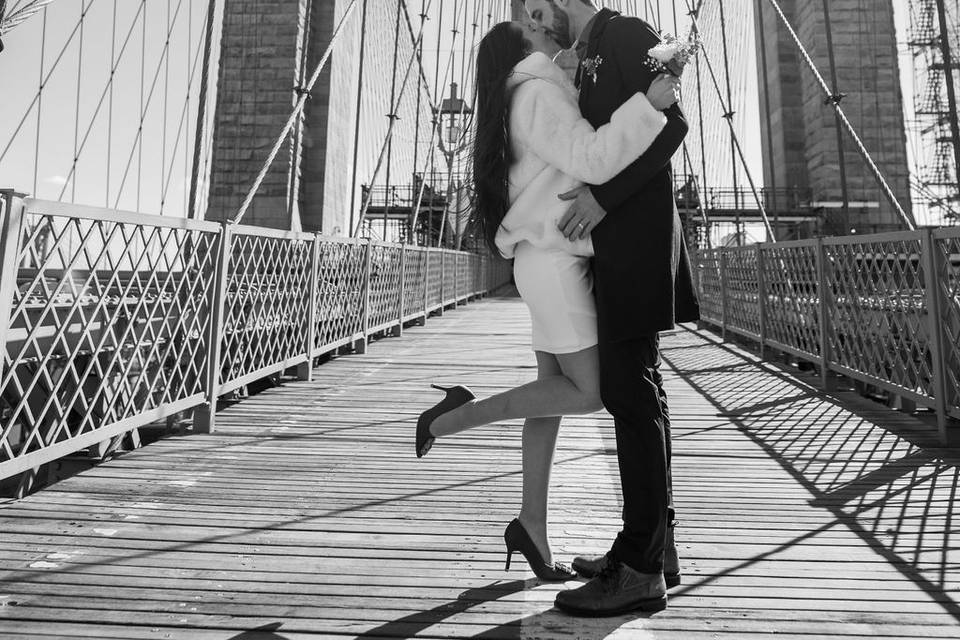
[503, 319]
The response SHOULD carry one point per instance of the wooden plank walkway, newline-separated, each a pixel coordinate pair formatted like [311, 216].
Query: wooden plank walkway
[307, 514]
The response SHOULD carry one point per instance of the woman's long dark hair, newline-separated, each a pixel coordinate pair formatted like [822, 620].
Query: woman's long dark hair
[499, 52]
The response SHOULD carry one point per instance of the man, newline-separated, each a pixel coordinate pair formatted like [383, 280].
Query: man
[642, 286]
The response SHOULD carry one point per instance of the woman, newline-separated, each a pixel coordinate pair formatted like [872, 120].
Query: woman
[531, 145]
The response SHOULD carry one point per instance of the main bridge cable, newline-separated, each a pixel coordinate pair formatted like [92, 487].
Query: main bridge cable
[393, 108]
[833, 100]
[297, 110]
[728, 116]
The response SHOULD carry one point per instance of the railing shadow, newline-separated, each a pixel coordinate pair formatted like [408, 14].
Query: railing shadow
[891, 486]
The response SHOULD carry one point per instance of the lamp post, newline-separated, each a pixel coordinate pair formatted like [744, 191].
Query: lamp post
[451, 112]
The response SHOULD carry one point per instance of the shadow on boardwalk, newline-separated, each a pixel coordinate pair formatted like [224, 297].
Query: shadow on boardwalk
[306, 515]
[880, 474]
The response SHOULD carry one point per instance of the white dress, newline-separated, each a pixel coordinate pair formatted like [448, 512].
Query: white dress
[556, 150]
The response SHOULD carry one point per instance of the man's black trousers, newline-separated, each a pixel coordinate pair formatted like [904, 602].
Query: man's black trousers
[632, 391]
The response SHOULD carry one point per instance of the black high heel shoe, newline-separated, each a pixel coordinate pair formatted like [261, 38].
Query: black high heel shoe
[517, 539]
[456, 396]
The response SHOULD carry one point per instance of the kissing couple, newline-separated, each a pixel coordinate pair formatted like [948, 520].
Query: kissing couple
[573, 183]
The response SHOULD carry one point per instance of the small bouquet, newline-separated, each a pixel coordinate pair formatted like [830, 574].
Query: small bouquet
[673, 54]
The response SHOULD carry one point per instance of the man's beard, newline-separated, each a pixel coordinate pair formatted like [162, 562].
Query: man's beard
[560, 30]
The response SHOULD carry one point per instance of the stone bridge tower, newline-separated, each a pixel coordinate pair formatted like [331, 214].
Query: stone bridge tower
[799, 130]
[269, 48]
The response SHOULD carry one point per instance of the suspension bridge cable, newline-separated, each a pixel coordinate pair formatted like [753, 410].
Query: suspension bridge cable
[76, 114]
[356, 132]
[36, 148]
[729, 113]
[437, 119]
[201, 109]
[394, 107]
[78, 151]
[728, 116]
[423, 85]
[100, 105]
[761, 29]
[448, 155]
[459, 141]
[416, 122]
[166, 102]
[184, 113]
[703, 144]
[137, 147]
[686, 153]
[113, 57]
[389, 136]
[836, 95]
[43, 83]
[298, 108]
[887, 191]
[436, 123]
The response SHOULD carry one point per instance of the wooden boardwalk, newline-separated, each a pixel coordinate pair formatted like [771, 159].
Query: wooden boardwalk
[307, 515]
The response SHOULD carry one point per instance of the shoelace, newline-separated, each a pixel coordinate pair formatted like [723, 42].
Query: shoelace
[608, 574]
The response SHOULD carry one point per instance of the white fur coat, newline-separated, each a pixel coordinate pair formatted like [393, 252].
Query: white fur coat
[556, 149]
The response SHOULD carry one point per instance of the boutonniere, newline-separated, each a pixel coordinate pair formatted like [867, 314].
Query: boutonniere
[591, 67]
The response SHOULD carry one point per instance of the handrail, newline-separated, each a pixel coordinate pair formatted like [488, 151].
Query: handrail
[113, 320]
[882, 309]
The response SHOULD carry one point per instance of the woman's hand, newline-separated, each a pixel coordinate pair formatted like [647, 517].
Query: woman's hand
[663, 91]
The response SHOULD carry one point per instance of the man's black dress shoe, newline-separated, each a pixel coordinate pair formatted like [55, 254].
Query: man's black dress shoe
[615, 590]
[589, 566]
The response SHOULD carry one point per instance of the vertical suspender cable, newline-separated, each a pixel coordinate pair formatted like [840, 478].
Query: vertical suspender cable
[166, 100]
[143, 72]
[113, 62]
[703, 146]
[729, 116]
[186, 147]
[687, 163]
[392, 116]
[201, 113]
[356, 133]
[76, 119]
[768, 118]
[415, 201]
[949, 65]
[36, 149]
[836, 97]
[296, 136]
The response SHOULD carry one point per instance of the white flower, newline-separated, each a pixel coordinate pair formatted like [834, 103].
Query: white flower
[665, 51]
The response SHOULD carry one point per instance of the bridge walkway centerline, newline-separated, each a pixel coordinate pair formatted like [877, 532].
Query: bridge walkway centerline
[306, 513]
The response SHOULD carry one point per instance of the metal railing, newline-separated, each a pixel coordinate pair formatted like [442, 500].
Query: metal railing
[112, 320]
[882, 309]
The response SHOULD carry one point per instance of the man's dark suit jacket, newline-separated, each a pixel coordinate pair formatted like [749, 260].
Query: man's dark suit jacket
[641, 267]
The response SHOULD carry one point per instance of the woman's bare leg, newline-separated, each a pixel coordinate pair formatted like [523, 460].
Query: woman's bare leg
[539, 443]
[566, 384]
[574, 390]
